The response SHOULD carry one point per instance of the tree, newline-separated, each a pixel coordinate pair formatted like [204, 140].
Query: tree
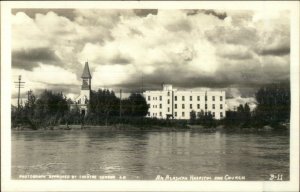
[138, 105]
[273, 104]
[104, 104]
[192, 117]
[50, 107]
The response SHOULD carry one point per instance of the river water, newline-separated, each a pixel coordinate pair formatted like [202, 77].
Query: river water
[143, 155]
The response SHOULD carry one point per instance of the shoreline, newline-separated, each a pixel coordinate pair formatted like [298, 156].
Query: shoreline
[126, 127]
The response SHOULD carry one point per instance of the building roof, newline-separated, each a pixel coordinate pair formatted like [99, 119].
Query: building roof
[86, 71]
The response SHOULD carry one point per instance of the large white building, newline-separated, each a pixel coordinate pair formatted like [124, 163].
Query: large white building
[173, 103]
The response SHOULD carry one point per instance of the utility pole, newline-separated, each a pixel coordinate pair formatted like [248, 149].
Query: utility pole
[120, 102]
[19, 85]
[142, 83]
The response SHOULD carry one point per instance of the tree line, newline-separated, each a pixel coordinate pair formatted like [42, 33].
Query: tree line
[52, 108]
[273, 109]
[104, 108]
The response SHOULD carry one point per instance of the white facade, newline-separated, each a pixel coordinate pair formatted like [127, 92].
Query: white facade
[172, 103]
[81, 102]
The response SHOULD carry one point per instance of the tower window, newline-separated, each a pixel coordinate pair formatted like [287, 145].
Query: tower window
[198, 98]
[221, 106]
[149, 98]
[182, 98]
[175, 98]
[175, 106]
[160, 98]
[213, 106]
[191, 98]
[182, 106]
[213, 98]
[221, 98]
[198, 106]
[191, 106]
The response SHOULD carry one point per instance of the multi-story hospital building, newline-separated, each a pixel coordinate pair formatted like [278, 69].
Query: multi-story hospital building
[173, 103]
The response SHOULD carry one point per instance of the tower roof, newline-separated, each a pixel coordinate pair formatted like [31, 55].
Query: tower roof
[86, 71]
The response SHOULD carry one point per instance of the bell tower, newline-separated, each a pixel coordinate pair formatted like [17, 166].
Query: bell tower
[83, 100]
[86, 81]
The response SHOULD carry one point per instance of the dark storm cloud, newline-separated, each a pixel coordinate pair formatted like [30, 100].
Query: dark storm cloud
[31, 58]
[145, 12]
[279, 51]
[219, 15]
[68, 13]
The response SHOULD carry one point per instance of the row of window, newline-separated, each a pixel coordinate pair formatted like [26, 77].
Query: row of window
[183, 98]
[183, 106]
[183, 114]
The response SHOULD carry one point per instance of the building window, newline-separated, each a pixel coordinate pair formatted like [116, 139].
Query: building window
[221, 114]
[205, 106]
[149, 98]
[221, 98]
[182, 106]
[168, 101]
[175, 106]
[160, 105]
[160, 98]
[198, 98]
[175, 98]
[213, 106]
[175, 114]
[168, 109]
[182, 98]
[205, 98]
[191, 106]
[160, 114]
[198, 106]
[213, 114]
[221, 106]
[153, 114]
[182, 114]
[168, 93]
[191, 98]
[213, 98]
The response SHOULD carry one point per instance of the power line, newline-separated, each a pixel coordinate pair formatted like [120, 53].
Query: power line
[19, 85]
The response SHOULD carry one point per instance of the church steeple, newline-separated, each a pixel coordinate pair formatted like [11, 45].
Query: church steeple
[86, 71]
[86, 78]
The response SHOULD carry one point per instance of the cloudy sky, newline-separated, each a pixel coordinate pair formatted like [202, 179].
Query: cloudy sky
[236, 51]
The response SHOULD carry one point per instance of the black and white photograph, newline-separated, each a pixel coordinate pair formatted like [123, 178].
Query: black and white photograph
[202, 94]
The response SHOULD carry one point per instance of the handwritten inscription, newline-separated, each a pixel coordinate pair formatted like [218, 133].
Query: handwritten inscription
[200, 178]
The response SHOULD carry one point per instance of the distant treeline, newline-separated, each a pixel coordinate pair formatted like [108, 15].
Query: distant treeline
[104, 108]
[273, 109]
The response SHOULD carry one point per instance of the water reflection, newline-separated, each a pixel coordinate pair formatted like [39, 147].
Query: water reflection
[146, 154]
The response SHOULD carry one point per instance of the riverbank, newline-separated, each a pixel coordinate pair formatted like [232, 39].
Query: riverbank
[127, 127]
